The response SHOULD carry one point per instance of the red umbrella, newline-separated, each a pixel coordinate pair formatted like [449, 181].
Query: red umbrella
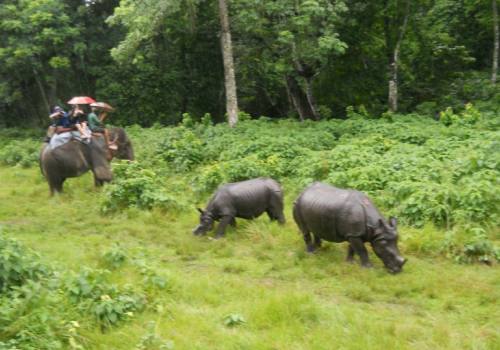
[103, 106]
[81, 100]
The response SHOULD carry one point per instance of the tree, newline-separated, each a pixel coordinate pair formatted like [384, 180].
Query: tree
[291, 39]
[37, 41]
[395, 23]
[227, 54]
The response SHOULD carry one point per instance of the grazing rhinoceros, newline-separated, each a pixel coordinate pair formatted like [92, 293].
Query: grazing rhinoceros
[245, 199]
[339, 215]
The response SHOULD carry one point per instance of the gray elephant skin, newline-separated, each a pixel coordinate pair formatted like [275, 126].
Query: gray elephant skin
[121, 139]
[337, 215]
[245, 199]
[76, 158]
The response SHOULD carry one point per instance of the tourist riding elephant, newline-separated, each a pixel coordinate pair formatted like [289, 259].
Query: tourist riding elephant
[76, 158]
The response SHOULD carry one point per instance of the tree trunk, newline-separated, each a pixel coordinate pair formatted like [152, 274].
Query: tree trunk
[311, 99]
[299, 99]
[307, 73]
[393, 66]
[495, 47]
[229, 76]
[42, 90]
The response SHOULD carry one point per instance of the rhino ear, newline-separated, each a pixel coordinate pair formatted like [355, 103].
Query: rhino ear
[200, 210]
[393, 221]
[381, 223]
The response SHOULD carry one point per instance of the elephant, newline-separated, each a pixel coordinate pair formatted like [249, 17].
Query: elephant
[125, 149]
[76, 158]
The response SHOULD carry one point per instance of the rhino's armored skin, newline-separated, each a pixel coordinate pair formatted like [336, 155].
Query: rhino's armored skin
[339, 215]
[245, 199]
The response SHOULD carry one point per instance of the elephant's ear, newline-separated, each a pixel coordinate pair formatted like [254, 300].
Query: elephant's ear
[393, 221]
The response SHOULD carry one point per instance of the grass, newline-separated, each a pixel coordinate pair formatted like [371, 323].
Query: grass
[289, 299]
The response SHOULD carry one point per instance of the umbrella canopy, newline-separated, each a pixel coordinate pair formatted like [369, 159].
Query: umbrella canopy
[81, 100]
[103, 106]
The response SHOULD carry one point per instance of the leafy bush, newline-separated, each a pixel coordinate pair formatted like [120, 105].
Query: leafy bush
[24, 153]
[473, 246]
[93, 294]
[114, 257]
[17, 265]
[469, 116]
[136, 187]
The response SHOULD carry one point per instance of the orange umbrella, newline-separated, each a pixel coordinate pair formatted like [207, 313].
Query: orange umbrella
[103, 106]
[81, 100]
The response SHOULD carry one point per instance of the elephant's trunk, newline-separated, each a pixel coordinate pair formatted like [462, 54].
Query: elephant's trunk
[103, 173]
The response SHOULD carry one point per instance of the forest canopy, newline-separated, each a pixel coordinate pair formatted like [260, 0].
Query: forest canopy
[155, 60]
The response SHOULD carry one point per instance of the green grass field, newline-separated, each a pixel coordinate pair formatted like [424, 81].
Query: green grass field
[260, 271]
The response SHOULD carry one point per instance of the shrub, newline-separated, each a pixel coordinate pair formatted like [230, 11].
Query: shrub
[136, 187]
[471, 246]
[24, 153]
[18, 265]
[469, 116]
[114, 257]
[94, 295]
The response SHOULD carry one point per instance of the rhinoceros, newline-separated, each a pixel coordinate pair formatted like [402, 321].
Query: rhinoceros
[246, 199]
[338, 215]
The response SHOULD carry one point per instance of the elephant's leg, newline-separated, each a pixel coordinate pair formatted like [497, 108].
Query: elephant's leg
[56, 186]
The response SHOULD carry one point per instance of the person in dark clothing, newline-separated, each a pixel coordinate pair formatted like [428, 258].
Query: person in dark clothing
[58, 118]
[78, 121]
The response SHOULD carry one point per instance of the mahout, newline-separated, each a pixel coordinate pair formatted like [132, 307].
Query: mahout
[324, 212]
[75, 158]
[246, 199]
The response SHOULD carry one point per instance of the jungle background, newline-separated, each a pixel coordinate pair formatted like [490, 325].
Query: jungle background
[155, 60]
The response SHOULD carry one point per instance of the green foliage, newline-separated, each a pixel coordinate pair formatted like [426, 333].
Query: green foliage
[24, 153]
[359, 112]
[94, 295]
[473, 245]
[151, 278]
[182, 148]
[152, 341]
[137, 187]
[469, 116]
[114, 257]
[17, 265]
[33, 315]
[233, 320]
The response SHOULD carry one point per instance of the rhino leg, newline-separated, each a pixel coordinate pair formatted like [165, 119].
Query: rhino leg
[221, 229]
[360, 249]
[350, 254]
[317, 241]
[233, 222]
[310, 246]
